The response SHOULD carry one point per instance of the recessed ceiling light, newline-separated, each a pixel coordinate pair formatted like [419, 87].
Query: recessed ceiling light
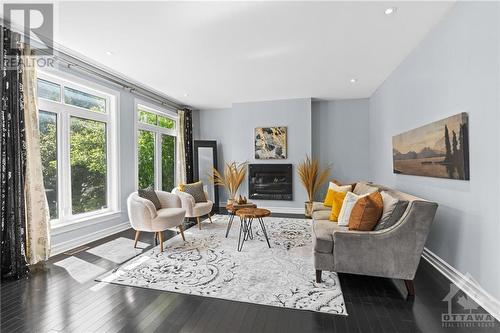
[109, 53]
[186, 95]
[353, 80]
[390, 10]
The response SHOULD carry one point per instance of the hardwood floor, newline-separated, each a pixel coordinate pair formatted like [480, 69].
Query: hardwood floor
[53, 300]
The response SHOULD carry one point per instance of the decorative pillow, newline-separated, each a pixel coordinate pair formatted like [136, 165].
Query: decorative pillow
[392, 212]
[338, 199]
[333, 186]
[364, 188]
[366, 212]
[345, 212]
[150, 194]
[196, 190]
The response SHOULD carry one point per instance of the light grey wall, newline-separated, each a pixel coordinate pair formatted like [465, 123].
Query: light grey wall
[340, 139]
[233, 129]
[454, 69]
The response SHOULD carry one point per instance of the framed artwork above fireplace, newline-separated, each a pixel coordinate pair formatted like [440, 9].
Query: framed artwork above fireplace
[270, 143]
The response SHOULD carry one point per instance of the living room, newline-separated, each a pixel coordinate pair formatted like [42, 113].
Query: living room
[250, 166]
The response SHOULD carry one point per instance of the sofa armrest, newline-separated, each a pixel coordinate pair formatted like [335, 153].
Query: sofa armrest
[394, 252]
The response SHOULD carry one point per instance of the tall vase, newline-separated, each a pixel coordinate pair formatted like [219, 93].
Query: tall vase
[308, 209]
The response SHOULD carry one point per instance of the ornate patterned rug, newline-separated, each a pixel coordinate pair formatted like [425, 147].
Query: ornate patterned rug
[208, 264]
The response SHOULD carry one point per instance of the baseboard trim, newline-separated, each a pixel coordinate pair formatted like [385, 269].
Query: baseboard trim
[465, 283]
[281, 210]
[85, 239]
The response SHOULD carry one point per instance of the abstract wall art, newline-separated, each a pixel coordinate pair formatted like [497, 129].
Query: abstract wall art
[270, 143]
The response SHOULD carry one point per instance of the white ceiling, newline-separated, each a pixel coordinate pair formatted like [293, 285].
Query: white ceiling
[213, 54]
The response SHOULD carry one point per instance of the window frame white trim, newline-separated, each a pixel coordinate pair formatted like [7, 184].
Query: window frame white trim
[111, 120]
[158, 132]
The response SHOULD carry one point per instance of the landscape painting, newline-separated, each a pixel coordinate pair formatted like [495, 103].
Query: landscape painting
[270, 143]
[439, 149]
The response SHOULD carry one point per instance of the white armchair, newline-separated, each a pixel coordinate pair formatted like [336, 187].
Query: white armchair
[143, 215]
[194, 209]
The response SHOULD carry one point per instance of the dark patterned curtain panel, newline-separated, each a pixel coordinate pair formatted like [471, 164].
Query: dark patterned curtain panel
[13, 159]
[188, 144]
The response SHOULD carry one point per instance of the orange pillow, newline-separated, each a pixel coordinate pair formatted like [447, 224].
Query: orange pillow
[366, 212]
[338, 200]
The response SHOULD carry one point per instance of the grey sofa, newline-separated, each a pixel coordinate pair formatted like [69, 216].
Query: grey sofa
[393, 252]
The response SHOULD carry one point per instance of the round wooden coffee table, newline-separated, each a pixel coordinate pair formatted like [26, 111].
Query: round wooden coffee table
[247, 215]
[232, 208]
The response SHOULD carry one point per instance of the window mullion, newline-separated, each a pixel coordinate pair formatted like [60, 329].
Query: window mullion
[158, 160]
[65, 165]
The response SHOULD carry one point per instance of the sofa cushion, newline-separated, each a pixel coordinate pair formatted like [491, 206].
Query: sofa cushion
[323, 235]
[363, 188]
[345, 212]
[332, 188]
[366, 212]
[321, 214]
[319, 206]
[392, 212]
[338, 200]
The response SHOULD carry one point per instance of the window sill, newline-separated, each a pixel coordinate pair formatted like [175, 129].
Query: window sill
[75, 224]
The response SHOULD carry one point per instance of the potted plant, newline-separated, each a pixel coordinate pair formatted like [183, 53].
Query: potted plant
[312, 177]
[234, 174]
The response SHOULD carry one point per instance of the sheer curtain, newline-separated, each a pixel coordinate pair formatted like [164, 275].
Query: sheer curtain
[37, 209]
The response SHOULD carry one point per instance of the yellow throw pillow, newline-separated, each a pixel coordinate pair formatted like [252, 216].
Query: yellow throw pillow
[338, 200]
[182, 187]
[333, 187]
[329, 198]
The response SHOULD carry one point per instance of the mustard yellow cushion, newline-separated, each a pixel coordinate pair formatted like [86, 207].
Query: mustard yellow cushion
[336, 188]
[338, 200]
[182, 187]
[329, 198]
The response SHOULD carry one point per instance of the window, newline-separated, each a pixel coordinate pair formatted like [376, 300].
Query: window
[156, 140]
[77, 132]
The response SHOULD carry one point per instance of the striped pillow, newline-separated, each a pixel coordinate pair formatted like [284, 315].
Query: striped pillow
[196, 190]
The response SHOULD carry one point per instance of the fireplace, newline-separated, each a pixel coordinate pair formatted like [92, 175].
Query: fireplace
[270, 181]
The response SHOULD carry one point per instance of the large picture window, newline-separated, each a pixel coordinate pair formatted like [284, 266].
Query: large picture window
[156, 140]
[77, 132]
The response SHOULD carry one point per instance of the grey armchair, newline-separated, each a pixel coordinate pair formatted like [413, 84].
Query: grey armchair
[393, 252]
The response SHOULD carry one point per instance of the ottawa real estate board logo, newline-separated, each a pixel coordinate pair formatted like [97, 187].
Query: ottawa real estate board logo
[464, 312]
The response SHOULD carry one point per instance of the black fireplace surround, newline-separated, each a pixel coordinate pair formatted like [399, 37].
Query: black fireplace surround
[270, 181]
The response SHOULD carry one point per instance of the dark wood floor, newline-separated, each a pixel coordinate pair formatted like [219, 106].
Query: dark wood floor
[53, 301]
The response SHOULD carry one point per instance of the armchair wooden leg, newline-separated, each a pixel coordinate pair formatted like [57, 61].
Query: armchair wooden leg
[318, 276]
[199, 222]
[410, 287]
[161, 240]
[137, 233]
[155, 237]
[210, 218]
[181, 229]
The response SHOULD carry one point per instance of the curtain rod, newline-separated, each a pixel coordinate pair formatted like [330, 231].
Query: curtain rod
[74, 62]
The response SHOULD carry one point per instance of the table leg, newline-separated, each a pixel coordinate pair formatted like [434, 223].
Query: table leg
[249, 229]
[230, 223]
[243, 229]
[263, 227]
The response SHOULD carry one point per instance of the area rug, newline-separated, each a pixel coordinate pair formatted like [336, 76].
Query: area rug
[208, 264]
